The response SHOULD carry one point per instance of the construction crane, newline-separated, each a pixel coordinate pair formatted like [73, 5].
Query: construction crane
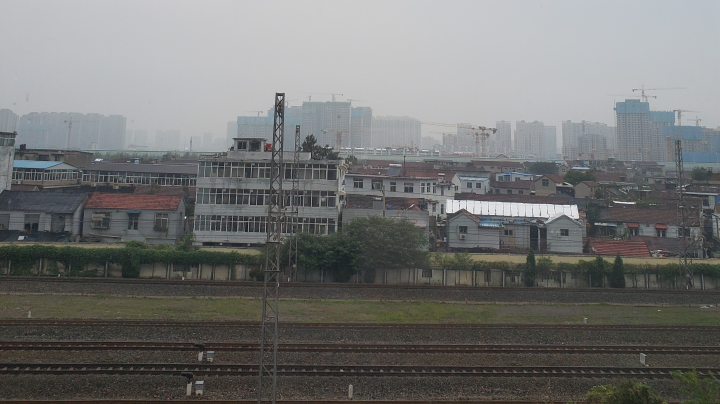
[257, 112]
[697, 120]
[480, 137]
[70, 123]
[332, 94]
[678, 136]
[644, 97]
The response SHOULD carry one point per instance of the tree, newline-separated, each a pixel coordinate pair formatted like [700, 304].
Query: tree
[318, 152]
[617, 274]
[530, 269]
[387, 243]
[700, 391]
[462, 262]
[334, 254]
[575, 177]
[597, 271]
[544, 167]
[627, 392]
[701, 174]
[351, 160]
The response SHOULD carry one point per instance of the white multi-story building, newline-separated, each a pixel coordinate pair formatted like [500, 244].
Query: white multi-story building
[325, 120]
[502, 140]
[7, 158]
[232, 194]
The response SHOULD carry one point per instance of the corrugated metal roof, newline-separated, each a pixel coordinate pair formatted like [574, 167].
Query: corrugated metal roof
[473, 179]
[511, 209]
[47, 202]
[35, 164]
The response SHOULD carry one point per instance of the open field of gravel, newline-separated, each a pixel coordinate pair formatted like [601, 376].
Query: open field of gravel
[9, 285]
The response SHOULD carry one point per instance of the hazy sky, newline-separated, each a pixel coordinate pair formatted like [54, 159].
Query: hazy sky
[195, 65]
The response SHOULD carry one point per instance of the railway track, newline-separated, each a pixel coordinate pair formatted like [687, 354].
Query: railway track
[291, 325]
[196, 282]
[342, 370]
[354, 348]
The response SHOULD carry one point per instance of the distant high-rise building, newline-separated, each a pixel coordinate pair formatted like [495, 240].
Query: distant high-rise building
[503, 138]
[572, 135]
[639, 132]
[534, 139]
[8, 121]
[396, 131]
[88, 132]
[232, 132]
[428, 142]
[325, 120]
[360, 127]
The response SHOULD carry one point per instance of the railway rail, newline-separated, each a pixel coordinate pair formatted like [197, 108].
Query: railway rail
[354, 348]
[296, 325]
[204, 401]
[343, 370]
[196, 282]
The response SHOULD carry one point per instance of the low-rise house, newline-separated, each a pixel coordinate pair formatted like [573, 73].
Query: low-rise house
[45, 174]
[75, 158]
[154, 219]
[550, 184]
[53, 212]
[517, 226]
[512, 187]
[587, 189]
[514, 176]
[474, 185]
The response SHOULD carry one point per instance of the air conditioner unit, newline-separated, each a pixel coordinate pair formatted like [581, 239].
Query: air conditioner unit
[462, 237]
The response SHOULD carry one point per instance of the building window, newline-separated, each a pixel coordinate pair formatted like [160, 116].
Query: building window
[434, 188]
[660, 232]
[520, 192]
[706, 202]
[478, 185]
[497, 191]
[442, 209]
[393, 186]
[100, 220]
[469, 184]
[133, 220]
[634, 231]
[565, 232]
[508, 232]
[427, 273]
[358, 183]
[161, 222]
[376, 185]
[684, 232]
[409, 187]
[434, 208]
[545, 183]
[509, 191]
[462, 229]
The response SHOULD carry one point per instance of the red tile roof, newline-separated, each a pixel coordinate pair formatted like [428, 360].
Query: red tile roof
[134, 201]
[603, 246]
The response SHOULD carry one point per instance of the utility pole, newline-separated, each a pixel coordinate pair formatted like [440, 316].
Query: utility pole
[267, 380]
[294, 209]
[683, 267]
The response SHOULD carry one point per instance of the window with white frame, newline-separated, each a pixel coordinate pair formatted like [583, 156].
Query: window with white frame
[161, 222]
[565, 232]
[393, 186]
[409, 187]
[508, 232]
[100, 220]
[463, 229]
[358, 182]
[377, 185]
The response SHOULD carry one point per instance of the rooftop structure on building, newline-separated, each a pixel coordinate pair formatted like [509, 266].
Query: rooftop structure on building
[120, 175]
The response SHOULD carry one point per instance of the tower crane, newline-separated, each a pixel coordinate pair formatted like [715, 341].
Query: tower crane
[70, 123]
[480, 137]
[678, 136]
[697, 120]
[644, 97]
[332, 94]
[257, 112]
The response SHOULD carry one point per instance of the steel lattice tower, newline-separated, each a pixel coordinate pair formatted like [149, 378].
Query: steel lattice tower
[294, 209]
[267, 381]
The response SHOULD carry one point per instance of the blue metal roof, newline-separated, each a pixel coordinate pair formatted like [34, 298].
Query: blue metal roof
[473, 179]
[41, 165]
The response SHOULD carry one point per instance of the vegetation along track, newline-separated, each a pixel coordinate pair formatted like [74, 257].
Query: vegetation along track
[354, 348]
[394, 326]
[346, 370]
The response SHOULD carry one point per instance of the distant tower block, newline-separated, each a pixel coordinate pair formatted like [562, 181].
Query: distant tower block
[7, 157]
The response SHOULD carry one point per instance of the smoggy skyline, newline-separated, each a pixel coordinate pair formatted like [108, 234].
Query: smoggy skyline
[193, 66]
